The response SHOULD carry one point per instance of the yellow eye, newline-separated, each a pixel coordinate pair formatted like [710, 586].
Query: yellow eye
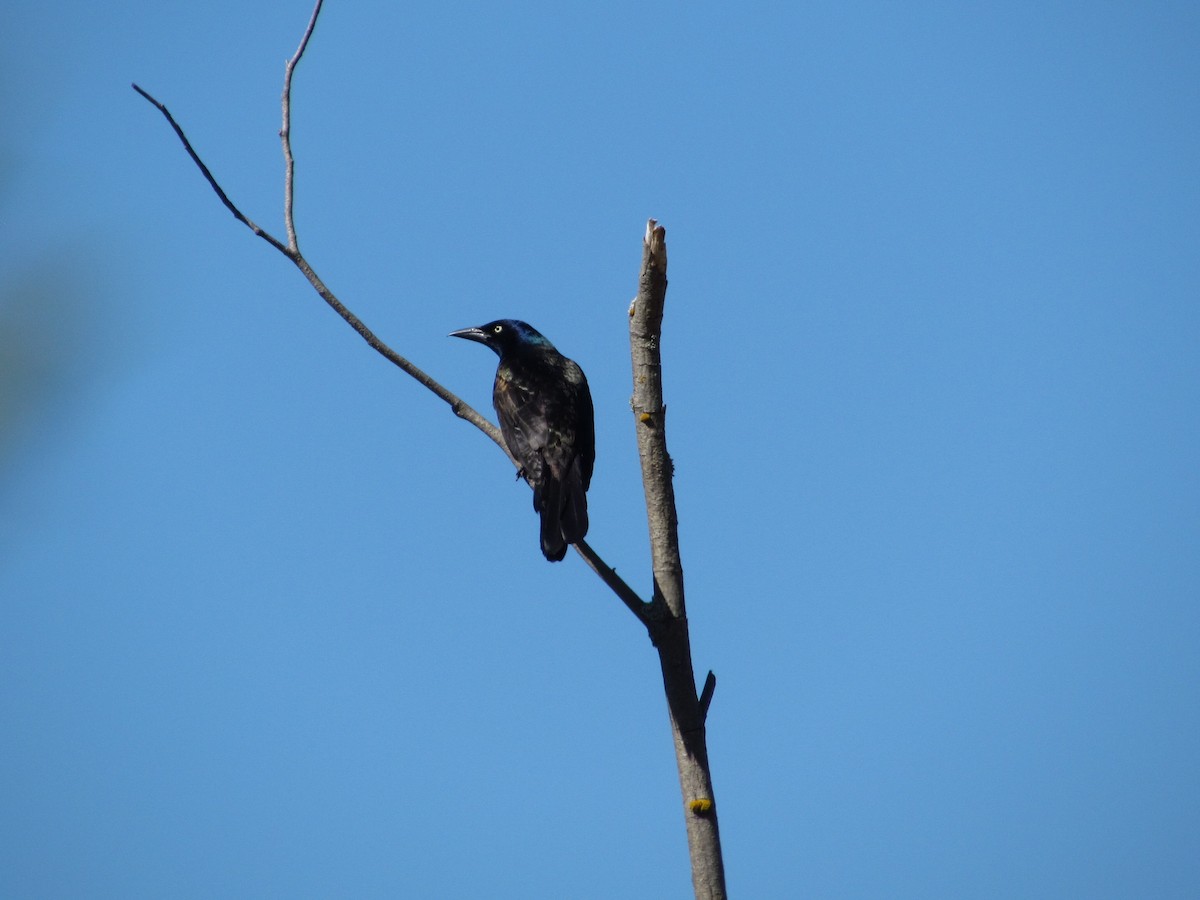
[498, 328]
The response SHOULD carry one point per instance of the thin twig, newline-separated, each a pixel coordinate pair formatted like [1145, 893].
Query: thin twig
[460, 407]
[285, 131]
[616, 584]
[292, 251]
[237, 213]
[706, 695]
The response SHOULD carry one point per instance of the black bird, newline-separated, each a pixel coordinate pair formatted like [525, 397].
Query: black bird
[545, 411]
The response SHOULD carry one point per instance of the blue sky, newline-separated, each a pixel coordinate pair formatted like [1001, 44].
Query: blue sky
[274, 623]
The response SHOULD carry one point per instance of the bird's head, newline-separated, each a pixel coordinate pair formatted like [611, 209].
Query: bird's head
[506, 336]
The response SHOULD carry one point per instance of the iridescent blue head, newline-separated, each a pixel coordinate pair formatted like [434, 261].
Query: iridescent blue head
[506, 336]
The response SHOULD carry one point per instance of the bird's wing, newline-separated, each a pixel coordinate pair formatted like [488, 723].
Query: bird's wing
[546, 420]
[585, 426]
[523, 423]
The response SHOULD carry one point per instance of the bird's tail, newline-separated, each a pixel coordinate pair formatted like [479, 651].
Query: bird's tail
[574, 505]
[548, 502]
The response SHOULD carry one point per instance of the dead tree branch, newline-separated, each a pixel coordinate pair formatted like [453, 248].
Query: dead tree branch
[669, 630]
[664, 617]
[292, 248]
[285, 134]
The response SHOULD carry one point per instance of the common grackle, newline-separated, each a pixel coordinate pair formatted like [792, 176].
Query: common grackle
[545, 411]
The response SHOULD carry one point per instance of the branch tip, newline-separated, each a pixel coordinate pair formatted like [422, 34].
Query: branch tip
[656, 239]
[706, 694]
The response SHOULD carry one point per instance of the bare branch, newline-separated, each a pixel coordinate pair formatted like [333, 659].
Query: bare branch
[285, 131]
[617, 585]
[645, 334]
[187, 145]
[460, 407]
[668, 613]
[292, 251]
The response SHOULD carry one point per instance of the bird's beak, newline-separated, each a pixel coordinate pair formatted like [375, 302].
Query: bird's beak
[471, 334]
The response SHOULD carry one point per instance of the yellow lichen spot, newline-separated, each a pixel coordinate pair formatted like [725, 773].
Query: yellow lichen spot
[645, 418]
[700, 806]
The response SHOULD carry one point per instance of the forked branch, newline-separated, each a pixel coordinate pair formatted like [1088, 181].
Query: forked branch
[665, 616]
[291, 249]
